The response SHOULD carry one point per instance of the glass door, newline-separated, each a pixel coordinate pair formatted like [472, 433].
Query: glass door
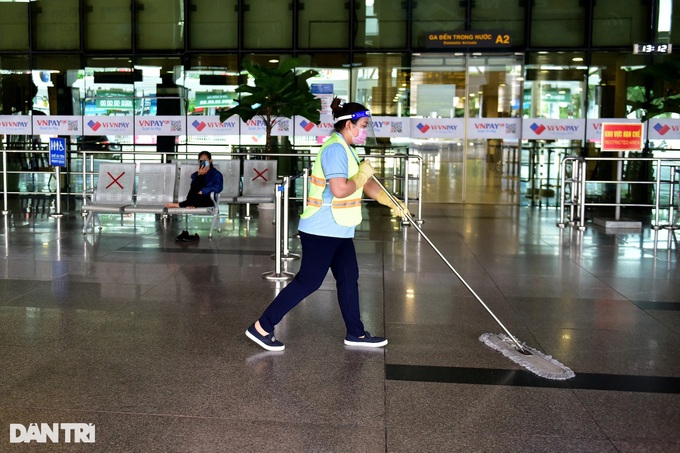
[438, 91]
[480, 94]
[491, 164]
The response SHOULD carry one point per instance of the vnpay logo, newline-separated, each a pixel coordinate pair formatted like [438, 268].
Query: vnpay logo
[423, 127]
[50, 123]
[200, 125]
[14, 124]
[537, 129]
[488, 126]
[153, 123]
[54, 432]
[95, 125]
[661, 129]
[306, 125]
[380, 124]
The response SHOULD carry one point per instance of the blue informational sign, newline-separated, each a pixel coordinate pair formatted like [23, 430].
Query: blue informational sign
[321, 88]
[57, 152]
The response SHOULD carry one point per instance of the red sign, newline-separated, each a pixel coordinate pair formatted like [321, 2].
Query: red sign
[621, 137]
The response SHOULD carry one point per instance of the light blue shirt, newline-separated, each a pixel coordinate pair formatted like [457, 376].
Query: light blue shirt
[322, 223]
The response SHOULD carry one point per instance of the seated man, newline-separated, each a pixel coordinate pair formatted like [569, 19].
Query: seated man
[204, 181]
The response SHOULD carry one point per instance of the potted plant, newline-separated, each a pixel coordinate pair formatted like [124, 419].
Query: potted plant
[277, 93]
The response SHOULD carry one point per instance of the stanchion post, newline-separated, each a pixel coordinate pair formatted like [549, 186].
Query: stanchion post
[582, 195]
[57, 174]
[278, 275]
[672, 199]
[5, 210]
[305, 188]
[284, 225]
[404, 221]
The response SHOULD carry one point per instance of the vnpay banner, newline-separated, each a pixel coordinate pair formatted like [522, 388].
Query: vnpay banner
[108, 125]
[553, 129]
[501, 128]
[302, 126]
[211, 125]
[437, 128]
[594, 127]
[383, 126]
[161, 125]
[389, 126]
[15, 125]
[663, 129]
[57, 125]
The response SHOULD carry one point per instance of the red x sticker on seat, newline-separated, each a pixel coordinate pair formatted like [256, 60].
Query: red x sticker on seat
[260, 174]
[115, 180]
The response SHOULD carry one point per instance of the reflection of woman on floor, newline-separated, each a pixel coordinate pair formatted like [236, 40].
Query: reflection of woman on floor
[203, 182]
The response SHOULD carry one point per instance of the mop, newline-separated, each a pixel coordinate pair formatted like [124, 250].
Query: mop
[533, 360]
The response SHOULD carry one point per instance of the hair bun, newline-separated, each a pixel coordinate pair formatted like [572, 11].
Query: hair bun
[335, 105]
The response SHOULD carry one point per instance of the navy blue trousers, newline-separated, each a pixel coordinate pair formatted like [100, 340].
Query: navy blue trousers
[320, 253]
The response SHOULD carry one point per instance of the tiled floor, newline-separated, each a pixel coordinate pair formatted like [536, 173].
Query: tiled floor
[143, 337]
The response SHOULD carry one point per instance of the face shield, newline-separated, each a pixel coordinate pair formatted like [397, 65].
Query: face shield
[361, 130]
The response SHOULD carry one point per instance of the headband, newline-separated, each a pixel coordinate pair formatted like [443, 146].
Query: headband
[355, 116]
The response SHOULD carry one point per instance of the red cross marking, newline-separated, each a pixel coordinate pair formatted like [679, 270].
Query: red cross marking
[115, 180]
[260, 174]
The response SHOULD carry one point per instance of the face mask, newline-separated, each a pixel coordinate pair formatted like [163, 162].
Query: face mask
[361, 138]
[205, 163]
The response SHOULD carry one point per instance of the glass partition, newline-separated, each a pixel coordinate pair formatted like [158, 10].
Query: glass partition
[108, 24]
[213, 24]
[56, 24]
[13, 29]
[436, 15]
[269, 25]
[381, 24]
[160, 24]
[558, 24]
[494, 15]
[323, 25]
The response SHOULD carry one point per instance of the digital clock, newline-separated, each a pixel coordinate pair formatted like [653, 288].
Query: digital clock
[652, 48]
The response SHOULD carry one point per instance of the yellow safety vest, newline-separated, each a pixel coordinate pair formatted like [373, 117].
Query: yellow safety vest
[346, 211]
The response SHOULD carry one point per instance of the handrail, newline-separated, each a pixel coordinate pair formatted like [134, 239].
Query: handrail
[574, 189]
[88, 169]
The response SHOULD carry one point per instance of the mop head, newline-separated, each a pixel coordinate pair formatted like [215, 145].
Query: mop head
[535, 361]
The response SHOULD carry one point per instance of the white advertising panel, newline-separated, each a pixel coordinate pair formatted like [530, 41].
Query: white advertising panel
[108, 125]
[504, 128]
[254, 126]
[303, 127]
[553, 129]
[57, 125]
[160, 125]
[437, 128]
[390, 126]
[211, 125]
[16, 125]
[594, 127]
[282, 127]
[663, 129]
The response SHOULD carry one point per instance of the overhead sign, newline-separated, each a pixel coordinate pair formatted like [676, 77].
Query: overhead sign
[468, 39]
[57, 152]
[621, 137]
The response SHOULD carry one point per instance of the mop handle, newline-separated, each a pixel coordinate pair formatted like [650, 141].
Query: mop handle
[479, 299]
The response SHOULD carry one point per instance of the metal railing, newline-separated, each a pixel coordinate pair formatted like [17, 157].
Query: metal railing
[81, 171]
[577, 189]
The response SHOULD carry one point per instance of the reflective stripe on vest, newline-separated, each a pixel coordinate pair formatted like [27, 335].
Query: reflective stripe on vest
[346, 211]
